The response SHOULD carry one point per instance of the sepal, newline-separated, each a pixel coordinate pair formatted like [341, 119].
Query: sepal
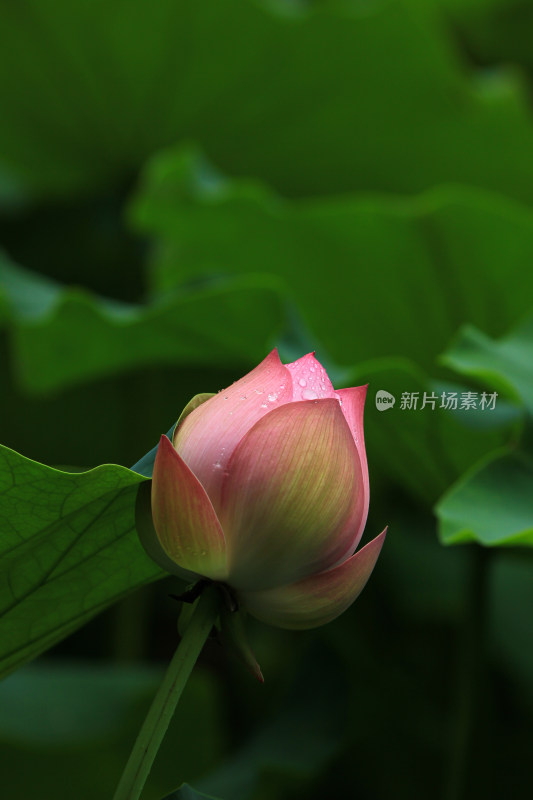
[233, 637]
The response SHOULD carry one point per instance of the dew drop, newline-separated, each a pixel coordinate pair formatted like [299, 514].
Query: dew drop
[308, 394]
[272, 397]
[264, 405]
[302, 382]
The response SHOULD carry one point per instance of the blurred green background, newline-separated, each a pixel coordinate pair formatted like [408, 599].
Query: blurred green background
[184, 185]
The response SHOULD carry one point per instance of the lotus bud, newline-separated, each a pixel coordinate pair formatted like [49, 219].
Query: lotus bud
[264, 489]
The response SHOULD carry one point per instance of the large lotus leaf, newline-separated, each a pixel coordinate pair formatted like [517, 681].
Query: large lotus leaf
[492, 504]
[64, 717]
[506, 364]
[68, 548]
[372, 277]
[57, 705]
[63, 335]
[372, 96]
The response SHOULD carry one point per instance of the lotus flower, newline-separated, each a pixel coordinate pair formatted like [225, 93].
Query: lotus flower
[264, 488]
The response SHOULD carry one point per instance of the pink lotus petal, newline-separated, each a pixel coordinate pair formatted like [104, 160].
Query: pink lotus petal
[353, 406]
[184, 519]
[293, 495]
[309, 379]
[209, 435]
[149, 539]
[318, 599]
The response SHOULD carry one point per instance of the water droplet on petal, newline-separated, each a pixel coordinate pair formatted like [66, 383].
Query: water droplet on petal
[302, 382]
[308, 394]
[272, 397]
[264, 405]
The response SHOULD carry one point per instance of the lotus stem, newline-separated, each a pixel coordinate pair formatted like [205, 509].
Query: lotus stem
[164, 704]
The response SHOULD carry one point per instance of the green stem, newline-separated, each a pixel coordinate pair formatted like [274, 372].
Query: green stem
[165, 702]
[470, 679]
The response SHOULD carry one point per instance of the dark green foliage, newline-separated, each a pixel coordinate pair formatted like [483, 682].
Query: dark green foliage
[183, 186]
